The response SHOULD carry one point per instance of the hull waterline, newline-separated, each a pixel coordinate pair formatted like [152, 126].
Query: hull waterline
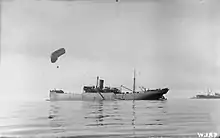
[148, 95]
[99, 92]
[206, 97]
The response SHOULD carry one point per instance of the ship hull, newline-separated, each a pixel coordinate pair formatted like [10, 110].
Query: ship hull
[86, 96]
[206, 97]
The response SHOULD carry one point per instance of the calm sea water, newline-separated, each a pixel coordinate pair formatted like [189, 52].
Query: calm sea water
[171, 118]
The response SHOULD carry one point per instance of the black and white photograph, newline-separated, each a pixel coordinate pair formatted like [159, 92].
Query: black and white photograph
[110, 68]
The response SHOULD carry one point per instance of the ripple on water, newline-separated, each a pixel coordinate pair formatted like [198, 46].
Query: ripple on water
[116, 119]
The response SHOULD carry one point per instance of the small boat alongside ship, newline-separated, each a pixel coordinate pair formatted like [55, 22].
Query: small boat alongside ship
[99, 92]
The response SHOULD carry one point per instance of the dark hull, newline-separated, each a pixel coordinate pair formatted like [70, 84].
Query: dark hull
[87, 96]
[154, 94]
[206, 97]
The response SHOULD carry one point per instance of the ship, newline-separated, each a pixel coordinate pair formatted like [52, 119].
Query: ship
[99, 92]
[208, 95]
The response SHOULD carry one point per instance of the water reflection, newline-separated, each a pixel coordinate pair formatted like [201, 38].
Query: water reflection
[53, 111]
[102, 113]
[133, 116]
[148, 117]
[157, 114]
[139, 116]
[136, 118]
[96, 113]
[56, 122]
[121, 118]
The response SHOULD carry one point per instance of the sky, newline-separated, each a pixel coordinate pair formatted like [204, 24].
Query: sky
[170, 43]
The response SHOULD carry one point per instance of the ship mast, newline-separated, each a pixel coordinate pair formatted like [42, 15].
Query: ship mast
[134, 83]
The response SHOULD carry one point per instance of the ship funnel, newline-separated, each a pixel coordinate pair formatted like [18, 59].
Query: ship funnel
[101, 84]
[97, 82]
